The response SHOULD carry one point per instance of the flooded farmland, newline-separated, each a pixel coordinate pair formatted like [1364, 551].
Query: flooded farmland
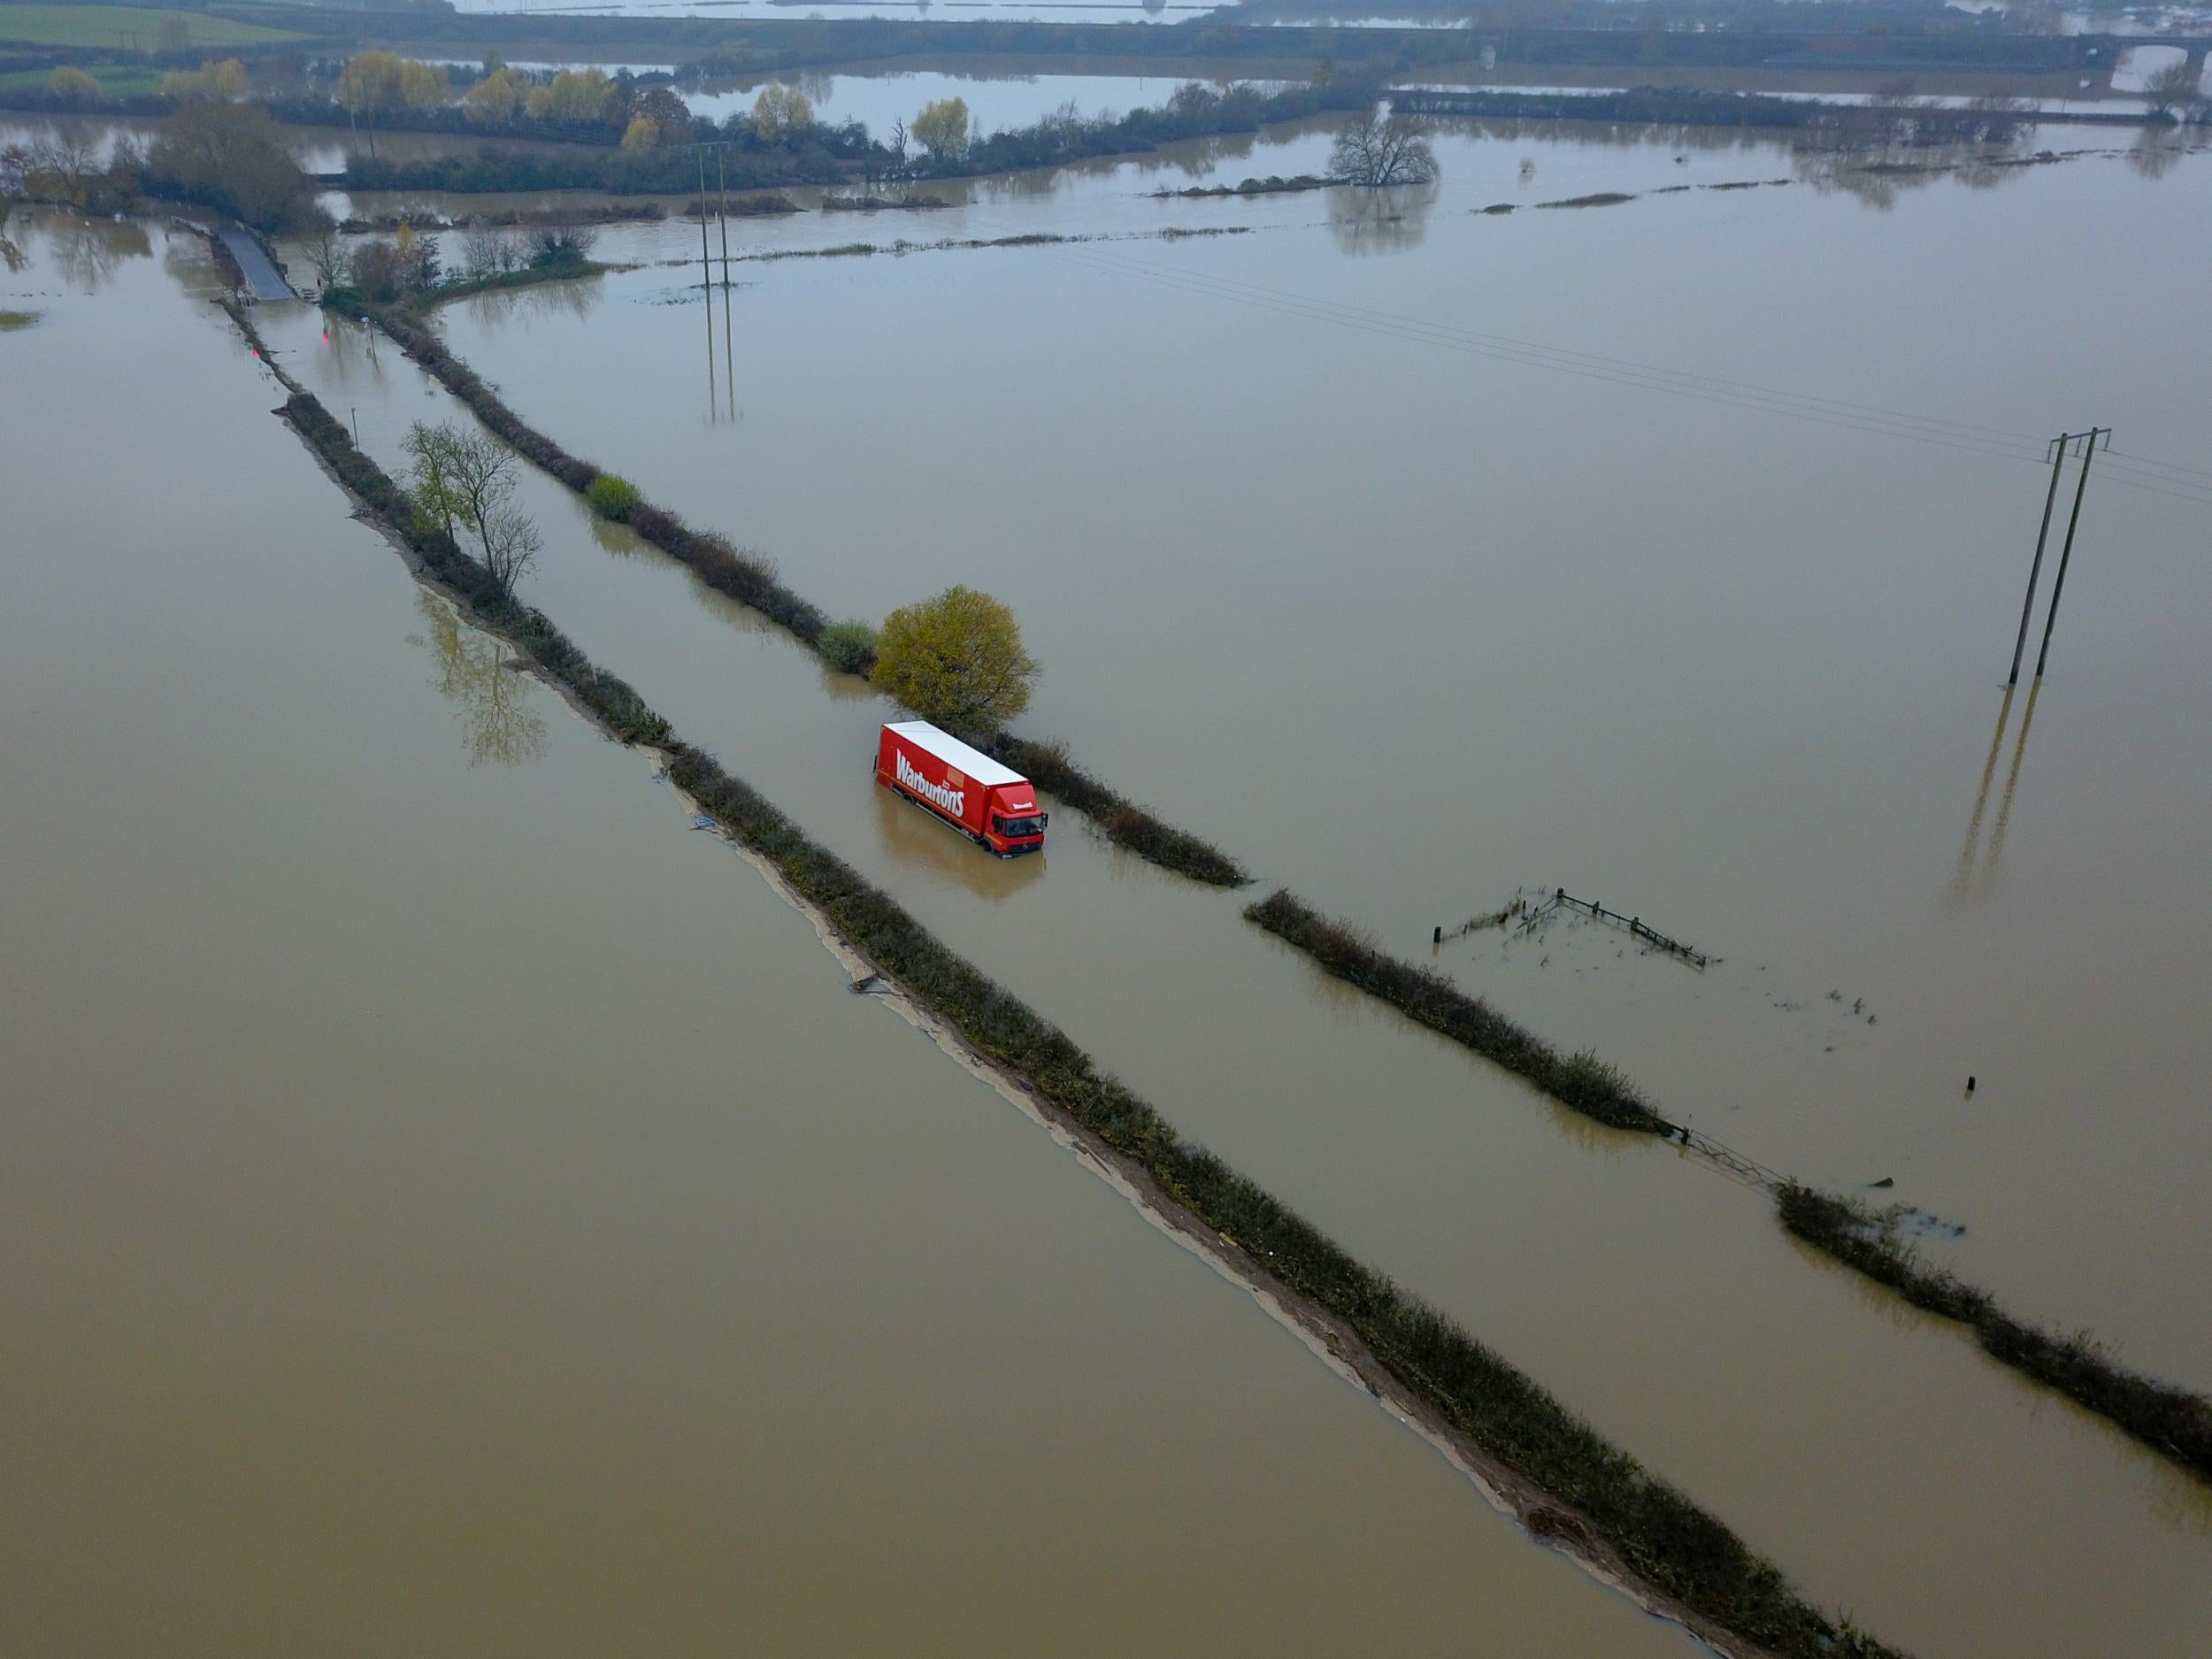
[1396, 648]
[478, 1192]
[1389, 639]
[451, 1207]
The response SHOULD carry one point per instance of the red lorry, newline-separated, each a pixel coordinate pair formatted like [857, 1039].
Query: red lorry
[985, 801]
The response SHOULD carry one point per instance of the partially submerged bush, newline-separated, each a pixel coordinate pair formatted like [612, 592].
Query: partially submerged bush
[848, 646]
[612, 496]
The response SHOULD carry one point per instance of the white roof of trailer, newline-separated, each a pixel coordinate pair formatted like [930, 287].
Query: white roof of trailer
[953, 752]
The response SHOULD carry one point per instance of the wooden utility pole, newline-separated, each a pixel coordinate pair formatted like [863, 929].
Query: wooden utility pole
[722, 183]
[2066, 553]
[2050, 500]
[706, 271]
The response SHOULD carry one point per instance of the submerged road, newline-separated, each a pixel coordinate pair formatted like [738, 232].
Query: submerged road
[264, 280]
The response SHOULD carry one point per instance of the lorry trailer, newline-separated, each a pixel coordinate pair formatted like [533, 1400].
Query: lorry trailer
[988, 803]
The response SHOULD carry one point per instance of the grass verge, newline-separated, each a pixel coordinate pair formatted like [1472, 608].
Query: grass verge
[2169, 1420]
[1602, 1503]
[752, 581]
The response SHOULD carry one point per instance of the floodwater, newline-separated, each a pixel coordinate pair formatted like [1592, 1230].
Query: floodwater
[451, 1208]
[1412, 614]
[317, 148]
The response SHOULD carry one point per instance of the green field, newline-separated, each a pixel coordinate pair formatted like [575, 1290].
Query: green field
[128, 28]
[116, 80]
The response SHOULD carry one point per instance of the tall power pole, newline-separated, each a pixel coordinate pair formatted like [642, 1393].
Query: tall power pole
[706, 271]
[2066, 553]
[2050, 500]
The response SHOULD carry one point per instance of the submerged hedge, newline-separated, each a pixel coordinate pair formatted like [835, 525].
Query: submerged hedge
[2167, 1419]
[753, 581]
[1666, 1540]
[2170, 1420]
[1124, 822]
[1580, 1082]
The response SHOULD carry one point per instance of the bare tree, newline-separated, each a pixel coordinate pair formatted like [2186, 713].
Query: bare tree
[467, 479]
[510, 546]
[563, 239]
[67, 158]
[327, 251]
[488, 251]
[2177, 85]
[1378, 150]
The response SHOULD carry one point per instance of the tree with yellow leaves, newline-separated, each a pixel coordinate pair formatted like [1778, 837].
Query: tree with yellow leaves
[496, 99]
[423, 86]
[779, 112]
[369, 82]
[941, 128]
[72, 85]
[575, 97]
[956, 658]
[224, 80]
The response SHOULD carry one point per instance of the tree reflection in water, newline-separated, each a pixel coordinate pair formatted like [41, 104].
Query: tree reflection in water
[573, 296]
[492, 701]
[1380, 221]
[87, 252]
[2154, 154]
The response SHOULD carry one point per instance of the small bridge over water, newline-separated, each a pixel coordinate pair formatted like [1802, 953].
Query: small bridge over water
[264, 280]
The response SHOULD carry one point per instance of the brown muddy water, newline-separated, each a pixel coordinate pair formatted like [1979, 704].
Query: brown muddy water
[451, 1208]
[1411, 625]
[1463, 613]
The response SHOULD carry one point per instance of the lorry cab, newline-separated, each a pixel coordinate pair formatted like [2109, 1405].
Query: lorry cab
[990, 803]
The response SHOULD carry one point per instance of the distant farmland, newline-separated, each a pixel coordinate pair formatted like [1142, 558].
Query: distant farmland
[138, 28]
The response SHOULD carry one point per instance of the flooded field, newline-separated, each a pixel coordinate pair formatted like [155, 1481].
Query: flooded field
[1440, 634]
[317, 148]
[453, 1209]
[1409, 649]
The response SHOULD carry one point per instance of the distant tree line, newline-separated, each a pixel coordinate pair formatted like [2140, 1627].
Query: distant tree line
[228, 157]
[783, 145]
